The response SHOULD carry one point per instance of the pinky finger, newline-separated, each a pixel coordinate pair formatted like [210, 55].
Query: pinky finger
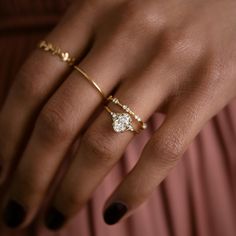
[160, 154]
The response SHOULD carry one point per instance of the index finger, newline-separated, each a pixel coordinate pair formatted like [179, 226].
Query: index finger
[37, 80]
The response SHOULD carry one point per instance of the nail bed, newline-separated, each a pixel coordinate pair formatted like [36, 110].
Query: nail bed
[54, 219]
[114, 213]
[13, 214]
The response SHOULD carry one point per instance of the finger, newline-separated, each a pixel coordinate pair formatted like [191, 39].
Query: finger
[38, 78]
[101, 147]
[184, 120]
[59, 124]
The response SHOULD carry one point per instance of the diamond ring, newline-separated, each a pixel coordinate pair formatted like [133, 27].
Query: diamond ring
[123, 121]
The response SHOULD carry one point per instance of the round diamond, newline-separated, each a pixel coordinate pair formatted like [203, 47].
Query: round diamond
[121, 122]
[144, 125]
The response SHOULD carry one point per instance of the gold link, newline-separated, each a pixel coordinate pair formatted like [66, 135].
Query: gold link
[64, 56]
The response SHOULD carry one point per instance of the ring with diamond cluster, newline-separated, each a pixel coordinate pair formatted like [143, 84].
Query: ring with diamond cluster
[121, 121]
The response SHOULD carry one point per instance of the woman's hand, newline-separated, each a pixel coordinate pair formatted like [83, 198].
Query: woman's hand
[177, 56]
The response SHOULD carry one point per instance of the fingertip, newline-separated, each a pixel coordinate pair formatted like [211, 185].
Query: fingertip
[114, 212]
[54, 219]
[13, 214]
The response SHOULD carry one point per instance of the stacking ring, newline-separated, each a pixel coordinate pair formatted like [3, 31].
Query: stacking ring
[121, 121]
[92, 82]
[64, 56]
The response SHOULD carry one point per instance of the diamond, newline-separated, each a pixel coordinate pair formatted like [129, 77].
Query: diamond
[121, 122]
[115, 100]
[65, 56]
[144, 125]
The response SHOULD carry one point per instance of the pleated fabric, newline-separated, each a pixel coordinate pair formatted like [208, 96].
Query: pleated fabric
[196, 199]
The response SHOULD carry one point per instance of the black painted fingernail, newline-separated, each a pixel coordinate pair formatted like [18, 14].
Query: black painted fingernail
[114, 212]
[13, 214]
[54, 219]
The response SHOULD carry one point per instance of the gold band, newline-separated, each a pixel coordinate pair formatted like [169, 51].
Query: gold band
[127, 109]
[122, 121]
[90, 81]
[64, 56]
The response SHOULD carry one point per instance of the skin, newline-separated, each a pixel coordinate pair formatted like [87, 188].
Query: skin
[182, 52]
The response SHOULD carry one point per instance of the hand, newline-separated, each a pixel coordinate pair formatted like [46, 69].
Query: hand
[176, 55]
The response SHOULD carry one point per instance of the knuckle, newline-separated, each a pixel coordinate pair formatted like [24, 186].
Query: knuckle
[169, 147]
[182, 45]
[73, 201]
[53, 124]
[100, 147]
[26, 185]
[217, 69]
[26, 85]
[142, 18]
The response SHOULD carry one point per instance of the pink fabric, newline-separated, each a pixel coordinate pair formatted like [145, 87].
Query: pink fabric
[198, 196]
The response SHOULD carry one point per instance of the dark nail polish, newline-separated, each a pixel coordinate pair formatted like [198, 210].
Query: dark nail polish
[14, 214]
[114, 212]
[54, 219]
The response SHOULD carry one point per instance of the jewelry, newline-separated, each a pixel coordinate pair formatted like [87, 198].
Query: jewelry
[123, 121]
[90, 81]
[64, 56]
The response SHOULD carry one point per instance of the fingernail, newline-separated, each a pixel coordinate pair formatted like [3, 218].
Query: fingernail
[14, 214]
[114, 212]
[54, 219]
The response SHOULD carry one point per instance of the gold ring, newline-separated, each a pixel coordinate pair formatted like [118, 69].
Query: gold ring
[64, 56]
[90, 81]
[123, 121]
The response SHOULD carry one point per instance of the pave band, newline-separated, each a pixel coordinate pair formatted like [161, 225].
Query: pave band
[127, 109]
[123, 121]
